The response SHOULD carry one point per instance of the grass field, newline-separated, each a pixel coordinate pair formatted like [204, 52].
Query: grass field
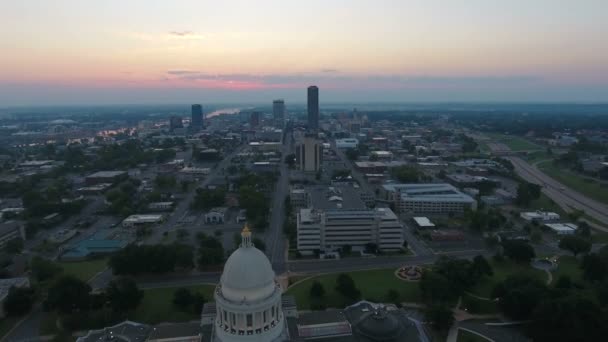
[586, 186]
[515, 143]
[373, 285]
[157, 305]
[84, 270]
[545, 203]
[465, 336]
[568, 266]
[501, 271]
[478, 306]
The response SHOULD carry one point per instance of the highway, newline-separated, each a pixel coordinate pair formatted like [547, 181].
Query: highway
[565, 197]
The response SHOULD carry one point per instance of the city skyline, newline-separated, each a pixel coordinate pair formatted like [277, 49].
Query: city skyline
[69, 52]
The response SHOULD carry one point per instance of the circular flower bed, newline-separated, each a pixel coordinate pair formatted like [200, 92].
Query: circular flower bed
[409, 273]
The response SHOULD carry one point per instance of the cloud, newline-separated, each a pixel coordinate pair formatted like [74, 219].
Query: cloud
[329, 70]
[181, 33]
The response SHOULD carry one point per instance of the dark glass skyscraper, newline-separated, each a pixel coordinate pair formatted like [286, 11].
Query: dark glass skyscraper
[196, 121]
[313, 107]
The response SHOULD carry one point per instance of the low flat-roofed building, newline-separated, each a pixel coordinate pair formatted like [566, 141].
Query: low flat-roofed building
[347, 143]
[423, 222]
[434, 198]
[142, 219]
[562, 228]
[299, 199]
[540, 216]
[161, 206]
[216, 215]
[382, 155]
[103, 242]
[331, 229]
[11, 230]
[94, 189]
[111, 177]
[126, 331]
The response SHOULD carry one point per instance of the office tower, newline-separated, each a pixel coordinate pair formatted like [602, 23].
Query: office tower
[308, 154]
[254, 119]
[313, 108]
[175, 122]
[196, 121]
[278, 112]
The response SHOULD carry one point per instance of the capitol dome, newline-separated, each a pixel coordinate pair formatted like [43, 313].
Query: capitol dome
[248, 299]
[248, 275]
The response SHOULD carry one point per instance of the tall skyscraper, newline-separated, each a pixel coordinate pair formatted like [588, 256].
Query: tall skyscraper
[278, 112]
[313, 108]
[196, 121]
[254, 119]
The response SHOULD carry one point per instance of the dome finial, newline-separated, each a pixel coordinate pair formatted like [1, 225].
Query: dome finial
[246, 237]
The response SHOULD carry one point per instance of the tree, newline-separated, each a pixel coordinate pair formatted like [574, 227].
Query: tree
[123, 294]
[182, 298]
[526, 193]
[347, 249]
[182, 234]
[317, 290]
[18, 301]
[67, 294]
[210, 251]
[43, 269]
[575, 244]
[595, 267]
[14, 246]
[435, 288]
[584, 229]
[519, 295]
[481, 266]
[518, 251]
[345, 285]
[440, 316]
[570, 318]
[406, 174]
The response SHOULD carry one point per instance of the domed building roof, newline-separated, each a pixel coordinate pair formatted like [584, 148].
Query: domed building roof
[248, 274]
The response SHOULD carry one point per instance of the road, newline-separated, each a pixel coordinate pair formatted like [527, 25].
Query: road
[565, 197]
[276, 246]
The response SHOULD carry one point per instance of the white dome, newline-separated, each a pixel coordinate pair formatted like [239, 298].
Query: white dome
[247, 276]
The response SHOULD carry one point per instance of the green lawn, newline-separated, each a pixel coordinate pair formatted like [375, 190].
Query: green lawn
[537, 156]
[515, 143]
[373, 285]
[501, 271]
[569, 266]
[465, 336]
[599, 237]
[157, 305]
[478, 306]
[586, 186]
[84, 270]
[546, 204]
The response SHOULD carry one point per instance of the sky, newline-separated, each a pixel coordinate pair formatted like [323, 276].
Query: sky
[56, 52]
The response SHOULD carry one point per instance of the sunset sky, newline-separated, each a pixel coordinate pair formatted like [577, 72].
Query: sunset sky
[147, 51]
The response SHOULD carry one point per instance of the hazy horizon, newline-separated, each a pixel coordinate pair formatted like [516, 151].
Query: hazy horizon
[69, 52]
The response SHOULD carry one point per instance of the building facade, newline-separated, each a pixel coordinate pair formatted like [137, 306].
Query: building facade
[329, 230]
[196, 121]
[430, 198]
[313, 107]
[308, 154]
[248, 298]
[278, 112]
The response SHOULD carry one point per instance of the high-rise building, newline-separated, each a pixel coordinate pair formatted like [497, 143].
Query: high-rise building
[196, 121]
[278, 112]
[254, 119]
[313, 107]
[175, 122]
[308, 154]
